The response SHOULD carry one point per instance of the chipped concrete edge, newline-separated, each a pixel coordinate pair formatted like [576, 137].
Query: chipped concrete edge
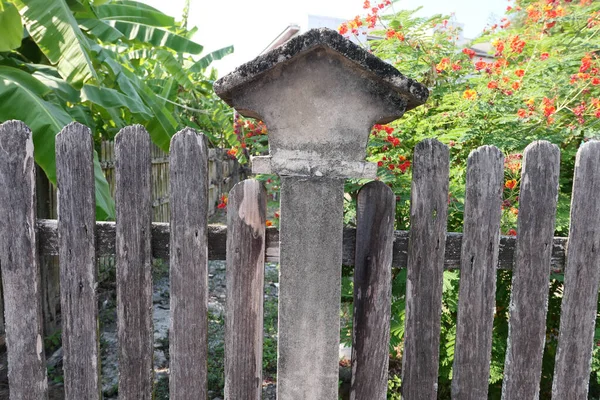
[414, 92]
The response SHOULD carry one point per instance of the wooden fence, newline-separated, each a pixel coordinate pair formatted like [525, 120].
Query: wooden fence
[223, 173]
[373, 248]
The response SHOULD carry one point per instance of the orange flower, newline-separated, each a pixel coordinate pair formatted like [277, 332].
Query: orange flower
[268, 223]
[343, 29]
[469, 52]
[479, 65]
[510, 184]
[514, 210]
[522, 113]
[516, 85]
[470, 94]
[520, 73]
[492, 85]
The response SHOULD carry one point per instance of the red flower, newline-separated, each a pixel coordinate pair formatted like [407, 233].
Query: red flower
[469, 52]
[516, 85]
[522, 113]
[544, 56]
[492, 85]
[512, 232]
[520, 73]
[380, 163]
[510, 184]
[343, 29]
[595, 81]
[479, 65]
[404, 166]
[223, 203]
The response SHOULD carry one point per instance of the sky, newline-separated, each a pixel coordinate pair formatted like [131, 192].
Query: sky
[250, 25]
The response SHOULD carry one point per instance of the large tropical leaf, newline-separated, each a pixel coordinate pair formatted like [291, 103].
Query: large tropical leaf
[205, 61]
[11, 28]
[109, 98]
[53, 27]
[174, 68]
[157, 37]
[162, 126]
[100, 29]
[134, 12]
[23, 99]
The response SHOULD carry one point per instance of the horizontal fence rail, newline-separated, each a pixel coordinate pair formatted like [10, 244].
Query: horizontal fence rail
[217, 240]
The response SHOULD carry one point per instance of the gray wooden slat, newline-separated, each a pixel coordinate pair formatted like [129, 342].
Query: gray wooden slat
[578, 312]
[133, 258]
[188, 266]
[428, 218]
[217, 237]
[19, 265]
[246, 217]
[76, 224]
[529, 296]
[477, 293]
[309, 287]
[376, 210]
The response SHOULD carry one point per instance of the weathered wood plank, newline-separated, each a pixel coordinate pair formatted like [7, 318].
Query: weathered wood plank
[579, 304]
[217, 238]
[529, 296]
[133, 258]
[19, 265]
[376, 210]
[246, 217]
[310, 287]
[76, 224]
[189, 266]
[477, 297]
[428, 218]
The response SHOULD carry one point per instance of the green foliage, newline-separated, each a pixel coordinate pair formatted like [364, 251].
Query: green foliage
[105, 64]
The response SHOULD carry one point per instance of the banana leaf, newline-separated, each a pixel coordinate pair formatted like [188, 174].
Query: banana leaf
[11, 28]
[53, 27]
[23, 99]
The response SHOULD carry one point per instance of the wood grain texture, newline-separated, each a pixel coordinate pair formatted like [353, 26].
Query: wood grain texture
[217, 239]
[376, 210]
[189, 266]
[428, 218]
[19, 265]
[579, 304]
[76, 224]
[529, 296]
[310, 288]
[477, 293]
[246, 217]
[133, 258]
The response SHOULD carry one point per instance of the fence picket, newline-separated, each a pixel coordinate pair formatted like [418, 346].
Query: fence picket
[428, 218]
[579, 305]
[477, 297]
[189, 266]
[19, 263]
[133, 257]
[375, 214]
[528, 301]
[76, 231]
[246, 217]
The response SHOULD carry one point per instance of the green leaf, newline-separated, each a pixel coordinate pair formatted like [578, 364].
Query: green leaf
[100, 29]
[54, 29]
[205, 61]
[174, 68]
[109, 98]
[11, 28]
[157, 37]
[23, 99]
[134, 13]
